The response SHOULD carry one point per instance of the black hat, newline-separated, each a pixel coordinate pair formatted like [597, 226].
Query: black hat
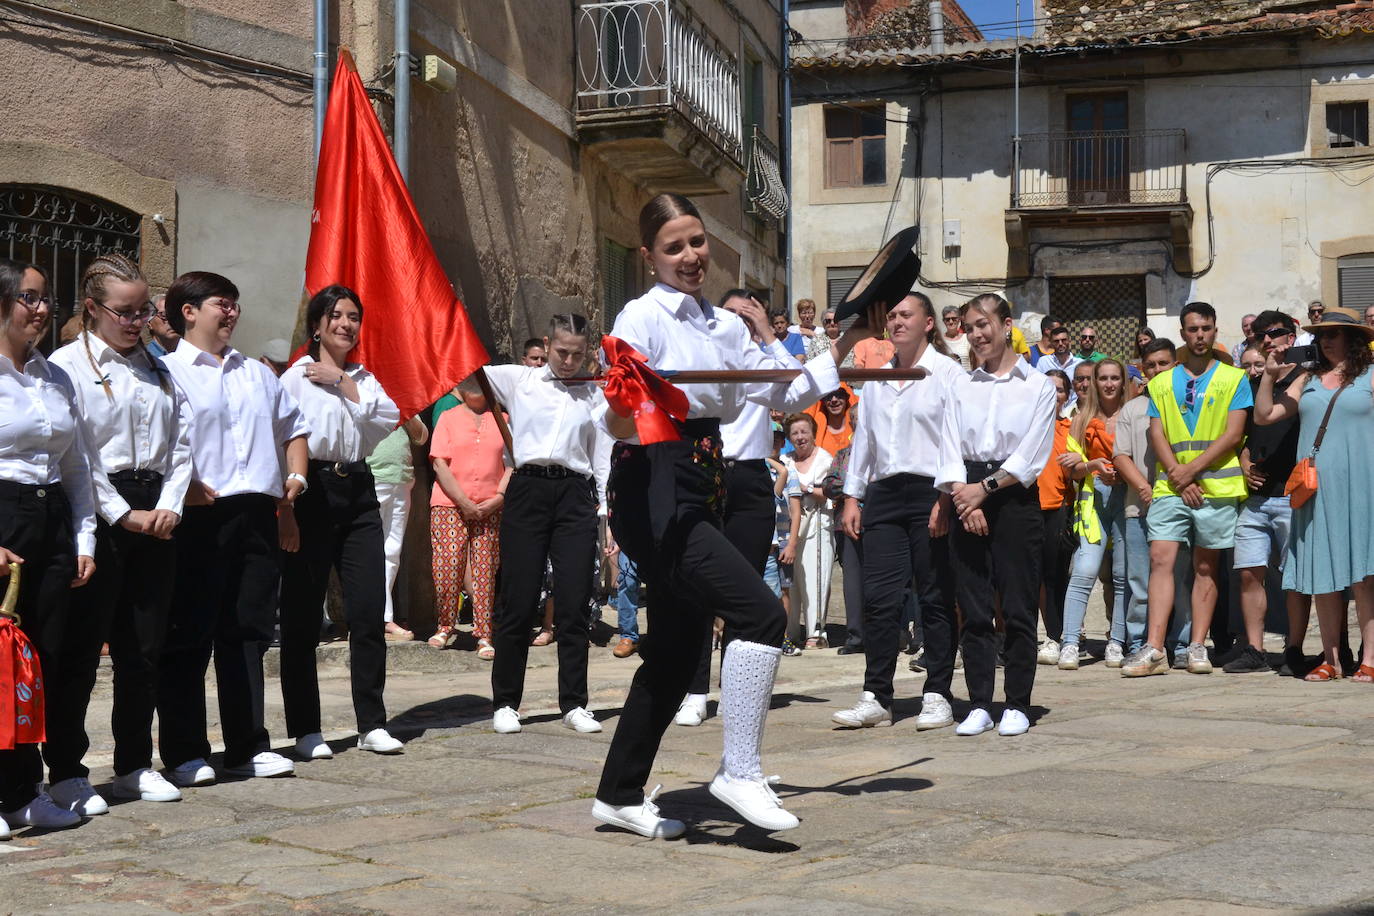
[888, 277]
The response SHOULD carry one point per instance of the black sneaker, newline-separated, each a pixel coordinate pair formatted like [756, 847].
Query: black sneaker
[850, 649]
[917, 663]
[1248, 660]
[1347, 659]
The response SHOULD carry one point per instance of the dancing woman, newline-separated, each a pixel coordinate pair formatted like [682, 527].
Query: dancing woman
[665, 507]
[996, 441]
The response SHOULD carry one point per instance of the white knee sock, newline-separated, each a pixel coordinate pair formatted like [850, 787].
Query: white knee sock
[746, 689]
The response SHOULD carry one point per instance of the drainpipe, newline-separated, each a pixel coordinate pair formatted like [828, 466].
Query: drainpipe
[785, 145]
[321, 80]
[400, 140]
[937, 27]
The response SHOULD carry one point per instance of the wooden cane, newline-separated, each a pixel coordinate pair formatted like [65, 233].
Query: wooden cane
[495, 407]
[7, 609]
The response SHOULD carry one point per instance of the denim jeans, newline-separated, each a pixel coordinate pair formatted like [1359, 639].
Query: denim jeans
[1138, 579]
[627, 599]
[1087, 561]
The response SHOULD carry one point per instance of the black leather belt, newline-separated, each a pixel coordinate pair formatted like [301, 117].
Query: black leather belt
[136, 475]
[550, 471]
[758, 464]
[339, 468]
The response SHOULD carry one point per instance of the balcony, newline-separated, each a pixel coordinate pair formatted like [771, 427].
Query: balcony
[1108, 177]
[658, 96]
[765, 195]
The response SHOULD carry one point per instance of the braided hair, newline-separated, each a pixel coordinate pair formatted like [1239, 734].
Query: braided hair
[111, 266]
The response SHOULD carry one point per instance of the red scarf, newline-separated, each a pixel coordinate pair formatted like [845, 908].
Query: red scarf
[633, 389]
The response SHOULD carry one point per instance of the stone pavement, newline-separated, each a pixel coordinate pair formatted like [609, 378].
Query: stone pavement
[1186, 794]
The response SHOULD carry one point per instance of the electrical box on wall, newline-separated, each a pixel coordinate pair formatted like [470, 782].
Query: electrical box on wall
[952, 235]
[437, 73]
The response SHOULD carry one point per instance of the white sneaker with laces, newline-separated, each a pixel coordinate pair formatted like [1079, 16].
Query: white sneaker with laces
[1049, 653]
[146, 785]
[692, 712]
[935, 712]
[191, 773]
[1014, 722]
[867, 713]
[505, 721]
[313, 747]
[977, 722]
[380, 741]
[77, 794]
[1198, 663]
[262, 766]
[1068, 657]
[1115, 656]
[579, 720]
[43, 813]
[642, 819]
[754, 800]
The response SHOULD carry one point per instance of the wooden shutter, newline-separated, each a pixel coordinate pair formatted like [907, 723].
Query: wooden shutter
[838, 280]
[1355, 276]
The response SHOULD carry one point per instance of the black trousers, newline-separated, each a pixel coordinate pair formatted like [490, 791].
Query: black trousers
[36, 523]
[851, 554]
[340, 527]
[750, 520]
[225, 600]
[695, 575]
[1007, 563]
[544, 520]
[897, 546]
[1056, 555]
[124, 604]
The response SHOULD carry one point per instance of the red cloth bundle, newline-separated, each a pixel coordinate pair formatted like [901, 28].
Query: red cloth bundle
[633, 389]
[21, 679]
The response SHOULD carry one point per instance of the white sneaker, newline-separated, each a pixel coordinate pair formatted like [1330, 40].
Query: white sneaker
[146, 785]
[262, 766]
[313, 747]
[866, 713]
[692, 712]
[935, 712]
[978, 721]
[379, 741]
[754, 800]
[505, 721]
[4, 829]
[1068, 657]
[1198, 663]
[1114, 656]
[77, 794]
[42, 812]
[191, 773]
[579, 720]
[1014, 722]
[1049, 653]
[641, 819]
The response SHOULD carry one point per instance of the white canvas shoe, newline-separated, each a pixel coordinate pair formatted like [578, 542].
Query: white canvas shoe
[380, 741]
[505, 721]
[146, 785]
[313, 747]
[1014, 722]
[642, 819]
[754, 800]
[579, 720]
[867, 713]
[77, 794]
[262, 766]
[192, 773]
[935, 712]
[977, 722]
[692, 712]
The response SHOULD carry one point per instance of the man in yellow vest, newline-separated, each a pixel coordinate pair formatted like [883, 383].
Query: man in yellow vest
[1197, 420]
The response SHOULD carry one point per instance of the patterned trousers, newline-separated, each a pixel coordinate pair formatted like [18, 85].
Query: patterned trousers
[458, 543]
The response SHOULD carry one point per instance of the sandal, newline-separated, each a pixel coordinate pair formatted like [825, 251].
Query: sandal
[813, 643]
[485, 650]
[1365, 675]
[442, 638]
[1324, 672]
[543, 637]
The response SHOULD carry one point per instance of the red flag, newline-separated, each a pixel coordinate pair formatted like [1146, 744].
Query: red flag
[633, 389]
[365, 234]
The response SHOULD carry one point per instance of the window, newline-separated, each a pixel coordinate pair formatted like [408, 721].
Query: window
[855, 146]
[838, 280]
[1347, 124]
[1099, 148]
[1355, 281]
[752, 93]
[616, 279]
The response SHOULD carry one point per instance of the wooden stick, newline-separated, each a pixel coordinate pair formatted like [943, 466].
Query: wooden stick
[705, 376]
[495, 407]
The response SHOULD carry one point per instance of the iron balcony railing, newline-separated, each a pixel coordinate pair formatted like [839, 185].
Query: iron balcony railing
[1100, 168]
[655, 54]
[764, 193]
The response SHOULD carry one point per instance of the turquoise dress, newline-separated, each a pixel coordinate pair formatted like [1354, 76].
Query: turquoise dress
[1332, 542]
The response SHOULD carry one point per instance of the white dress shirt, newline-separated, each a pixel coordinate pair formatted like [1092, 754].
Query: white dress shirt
[140, 426]
[900, 425]
[1007, 418]
[40, 439]
[339, 429]
[241, 417]
[552, 423]
[676, 332]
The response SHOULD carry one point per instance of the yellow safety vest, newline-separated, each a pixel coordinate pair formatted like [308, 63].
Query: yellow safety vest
[1085, 522]
[1223, 479]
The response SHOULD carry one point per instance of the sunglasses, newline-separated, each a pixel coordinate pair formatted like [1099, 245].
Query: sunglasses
[829, 321]
[836, 397]
[1087, 337]
[1276, 333]
[1190, 394]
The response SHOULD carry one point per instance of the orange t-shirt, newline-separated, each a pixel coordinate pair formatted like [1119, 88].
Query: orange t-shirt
[873, 353]
[471, 444]
[1056, 486]
[827, 438]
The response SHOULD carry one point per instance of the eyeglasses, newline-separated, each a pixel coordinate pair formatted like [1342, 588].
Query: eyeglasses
[1276, 333]
[130, 318]
[226, 306]
[31, 300]
[828, 321]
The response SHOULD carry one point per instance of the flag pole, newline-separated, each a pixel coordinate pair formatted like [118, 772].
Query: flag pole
[723, 376]
[495, 407]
